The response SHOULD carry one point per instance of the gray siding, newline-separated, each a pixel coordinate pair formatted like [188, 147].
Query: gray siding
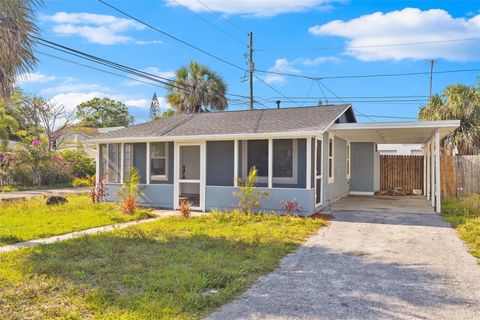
[222, 198]
[363, 167]
[220, 163]
[157, 196]
[170, 167]
[341, 185]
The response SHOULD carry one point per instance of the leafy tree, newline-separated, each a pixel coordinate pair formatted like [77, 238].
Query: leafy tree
[17, 32]
[103, 112]
[458, 102]
[83, 166]
[197, 89]
[8, 124]
[154, 107]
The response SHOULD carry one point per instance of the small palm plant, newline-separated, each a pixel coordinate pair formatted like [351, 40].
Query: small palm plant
[130, 191]
[249, 196]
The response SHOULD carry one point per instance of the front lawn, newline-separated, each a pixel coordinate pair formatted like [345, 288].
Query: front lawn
[172, 268]
[32, 219]
[464, 214]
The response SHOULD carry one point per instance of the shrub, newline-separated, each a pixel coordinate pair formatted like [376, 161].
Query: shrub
[129, 192]
[82, 165]
[249, 196]
[184, 208]
[290, 206]
[83, 182]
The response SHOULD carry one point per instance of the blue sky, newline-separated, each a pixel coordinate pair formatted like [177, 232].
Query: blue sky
[305, 37]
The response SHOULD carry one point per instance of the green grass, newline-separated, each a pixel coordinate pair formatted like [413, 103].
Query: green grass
[32, 219]
[9, 188]
[158, 270]
[464, 214]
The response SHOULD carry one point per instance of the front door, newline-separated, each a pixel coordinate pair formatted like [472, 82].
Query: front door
[189, 175]
[318, 172]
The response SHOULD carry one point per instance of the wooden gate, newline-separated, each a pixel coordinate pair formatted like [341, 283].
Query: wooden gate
[401, 172]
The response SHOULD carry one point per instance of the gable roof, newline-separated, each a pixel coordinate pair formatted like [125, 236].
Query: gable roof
[287, 120]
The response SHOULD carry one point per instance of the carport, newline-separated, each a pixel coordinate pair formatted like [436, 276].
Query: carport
[428, 133]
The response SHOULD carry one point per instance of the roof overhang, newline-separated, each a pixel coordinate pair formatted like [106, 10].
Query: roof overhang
[393, 132]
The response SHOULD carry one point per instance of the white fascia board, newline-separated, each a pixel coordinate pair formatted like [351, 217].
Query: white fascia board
[397, 125]
[212, 137]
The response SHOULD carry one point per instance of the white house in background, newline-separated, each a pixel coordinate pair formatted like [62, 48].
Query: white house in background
[315, 155]
[76, 138]
[400, 149]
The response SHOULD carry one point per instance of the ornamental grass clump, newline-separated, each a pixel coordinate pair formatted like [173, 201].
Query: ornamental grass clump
[249, 196]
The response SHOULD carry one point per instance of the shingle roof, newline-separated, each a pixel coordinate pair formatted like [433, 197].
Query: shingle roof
[235, 122]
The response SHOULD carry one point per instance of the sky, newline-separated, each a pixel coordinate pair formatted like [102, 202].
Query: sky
[314, 38]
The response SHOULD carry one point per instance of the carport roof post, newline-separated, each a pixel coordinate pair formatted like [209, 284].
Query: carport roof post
[394, 132]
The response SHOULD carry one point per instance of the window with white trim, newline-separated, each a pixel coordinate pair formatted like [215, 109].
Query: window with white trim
[127, 160]
[348, 152]
[158, 161]
[331, 163]
[113, 169]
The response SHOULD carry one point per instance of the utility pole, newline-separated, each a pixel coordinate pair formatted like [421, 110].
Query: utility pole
[251, 69]
[432, 63]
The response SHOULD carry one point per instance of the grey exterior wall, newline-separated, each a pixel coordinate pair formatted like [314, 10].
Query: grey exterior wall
[340, 186]
[222, 198]
[154, 195]
[170, 156]
[140, 160]
[363, 167]
[220, 163]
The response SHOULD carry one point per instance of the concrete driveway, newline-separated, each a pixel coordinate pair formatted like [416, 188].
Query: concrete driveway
[369, 265]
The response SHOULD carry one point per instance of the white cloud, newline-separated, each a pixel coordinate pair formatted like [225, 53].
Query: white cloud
[140, 103]
[34, 77]
[318, 60]
[283, 66]
[409, 25]
[169, 74]
[97, 28]
[72, 87]
[258, 8]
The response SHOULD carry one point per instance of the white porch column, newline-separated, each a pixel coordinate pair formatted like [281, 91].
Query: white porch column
[235, 163]
[148, 162]
[432, 173]
[425, 170]
[97, 164]
[437, 172]
[427, 154]
[270, 163]
[308, 173]
[122, 161]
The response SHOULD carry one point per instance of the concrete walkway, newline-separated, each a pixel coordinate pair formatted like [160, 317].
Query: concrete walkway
[369, 265]
[33, 243]
[24, 195]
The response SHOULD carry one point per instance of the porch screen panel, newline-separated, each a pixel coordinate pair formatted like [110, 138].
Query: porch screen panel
[127, 160]
[103, 164]
[283, 158]
[113, 175]
[258, 156]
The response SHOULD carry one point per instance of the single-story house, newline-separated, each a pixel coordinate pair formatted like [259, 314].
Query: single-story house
[315, 155]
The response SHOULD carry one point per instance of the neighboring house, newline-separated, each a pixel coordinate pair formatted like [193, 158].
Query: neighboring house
[400, 149]
[315, 155]
[76, 138]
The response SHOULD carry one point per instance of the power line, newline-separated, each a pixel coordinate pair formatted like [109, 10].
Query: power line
[173, 37]
[375, 45]
[265, 83]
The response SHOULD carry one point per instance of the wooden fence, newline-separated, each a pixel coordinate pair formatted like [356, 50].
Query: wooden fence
[460, 175]
[404, 172]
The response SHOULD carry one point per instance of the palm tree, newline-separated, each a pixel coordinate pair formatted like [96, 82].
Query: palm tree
[462, 103]
[17, 31]
[197, 89]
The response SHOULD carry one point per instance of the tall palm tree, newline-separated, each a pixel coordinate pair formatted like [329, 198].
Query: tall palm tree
[17, 29]
[462, 103]
[197, 89]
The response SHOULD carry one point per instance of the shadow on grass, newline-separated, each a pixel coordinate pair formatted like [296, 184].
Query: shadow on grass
[9, 239]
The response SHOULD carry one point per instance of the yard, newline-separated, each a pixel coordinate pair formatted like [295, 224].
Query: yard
[172, 268]
[32, 219]
[464, 214]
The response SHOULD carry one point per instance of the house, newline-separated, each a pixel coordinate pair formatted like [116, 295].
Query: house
[400, 149]
[76, 138]
[315, 155]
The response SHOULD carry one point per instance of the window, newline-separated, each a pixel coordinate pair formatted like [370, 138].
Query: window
[348, 160]
[113, 173]
[258, 156]
[283, 158]
[330, 158]
[103, 156]
[158, 161]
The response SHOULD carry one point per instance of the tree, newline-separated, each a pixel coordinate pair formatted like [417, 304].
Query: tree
[154, 107]
[17, 32]
[458, 102]
[101, 113]
[8, 124]
[197, 89]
